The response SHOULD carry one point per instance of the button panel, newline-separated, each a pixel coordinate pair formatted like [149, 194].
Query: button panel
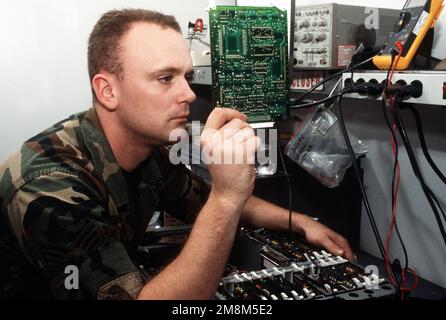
[312, 38]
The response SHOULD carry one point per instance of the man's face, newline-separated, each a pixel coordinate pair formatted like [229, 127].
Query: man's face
[154, 94]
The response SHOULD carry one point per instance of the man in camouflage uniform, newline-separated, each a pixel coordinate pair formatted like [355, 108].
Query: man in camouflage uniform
[82, 192]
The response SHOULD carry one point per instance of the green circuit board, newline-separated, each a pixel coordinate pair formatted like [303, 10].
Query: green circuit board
[250, 61]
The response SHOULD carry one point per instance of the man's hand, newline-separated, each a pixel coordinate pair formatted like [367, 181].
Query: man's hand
[321, 236]
[259, 213]
[229, 144]
[196, 272]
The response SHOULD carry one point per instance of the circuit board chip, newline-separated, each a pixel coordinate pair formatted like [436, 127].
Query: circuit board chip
[250, 61]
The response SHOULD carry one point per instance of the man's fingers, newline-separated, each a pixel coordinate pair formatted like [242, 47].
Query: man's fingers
[233, 127]
[255, 142]
[344, 245]
[220, 116]
[243, 134]
[251, 145]
[331, 246]
[337, 245]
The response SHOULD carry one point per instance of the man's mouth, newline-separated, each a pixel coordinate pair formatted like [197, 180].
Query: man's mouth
[182, 117]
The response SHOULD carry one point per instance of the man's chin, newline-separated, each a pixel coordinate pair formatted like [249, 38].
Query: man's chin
[181, 124]
[177, 132]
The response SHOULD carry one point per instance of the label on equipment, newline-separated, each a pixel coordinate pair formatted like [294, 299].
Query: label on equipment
[423, 17]
[307, 80]
[345, 54]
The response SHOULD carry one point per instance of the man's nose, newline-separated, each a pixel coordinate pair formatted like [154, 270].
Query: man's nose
[187, 95]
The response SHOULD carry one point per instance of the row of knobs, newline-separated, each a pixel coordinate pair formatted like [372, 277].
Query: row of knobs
[307, 24]
[309, 37]
[315, 51]
[313, 13]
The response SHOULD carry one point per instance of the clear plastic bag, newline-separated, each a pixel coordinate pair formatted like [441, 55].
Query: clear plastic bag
[319, 147]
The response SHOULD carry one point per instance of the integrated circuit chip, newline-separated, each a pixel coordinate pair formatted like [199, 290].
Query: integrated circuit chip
[250, 61]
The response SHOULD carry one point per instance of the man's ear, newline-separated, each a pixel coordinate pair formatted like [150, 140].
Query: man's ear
[103, 86]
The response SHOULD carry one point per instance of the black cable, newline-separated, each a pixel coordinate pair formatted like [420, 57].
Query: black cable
[386, 81]
[306, 93]
[358, 176]
[290, 195]
[426, 154]
[434, 198]
[316, 103]
[433, 201]
[386, 117]
[353, 81]
[423, 144]
[417, 169]
[403, 246]
[297, 106]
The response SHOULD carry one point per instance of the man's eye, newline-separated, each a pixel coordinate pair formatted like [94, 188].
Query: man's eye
[189, 78]
[165, 79]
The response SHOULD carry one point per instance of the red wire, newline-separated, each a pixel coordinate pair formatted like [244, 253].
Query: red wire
[400, 53]
[389, 234]
[403, 287]
[416, 279]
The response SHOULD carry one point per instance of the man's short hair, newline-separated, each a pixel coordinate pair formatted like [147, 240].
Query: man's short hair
[104, 44]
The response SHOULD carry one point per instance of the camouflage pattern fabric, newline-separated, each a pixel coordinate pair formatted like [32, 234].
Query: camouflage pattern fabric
[64, 201]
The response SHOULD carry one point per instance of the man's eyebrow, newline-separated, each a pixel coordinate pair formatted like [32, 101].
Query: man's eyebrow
[164, 70]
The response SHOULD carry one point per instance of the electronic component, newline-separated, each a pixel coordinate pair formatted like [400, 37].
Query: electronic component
[296, 271]
[416, 18]
[327, 35]
[249, 61]
[279, 247]
[279, 243]
[272, 258]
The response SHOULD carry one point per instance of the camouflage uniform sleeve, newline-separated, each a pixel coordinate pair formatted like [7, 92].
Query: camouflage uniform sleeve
[60, 221]
[185, 192]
